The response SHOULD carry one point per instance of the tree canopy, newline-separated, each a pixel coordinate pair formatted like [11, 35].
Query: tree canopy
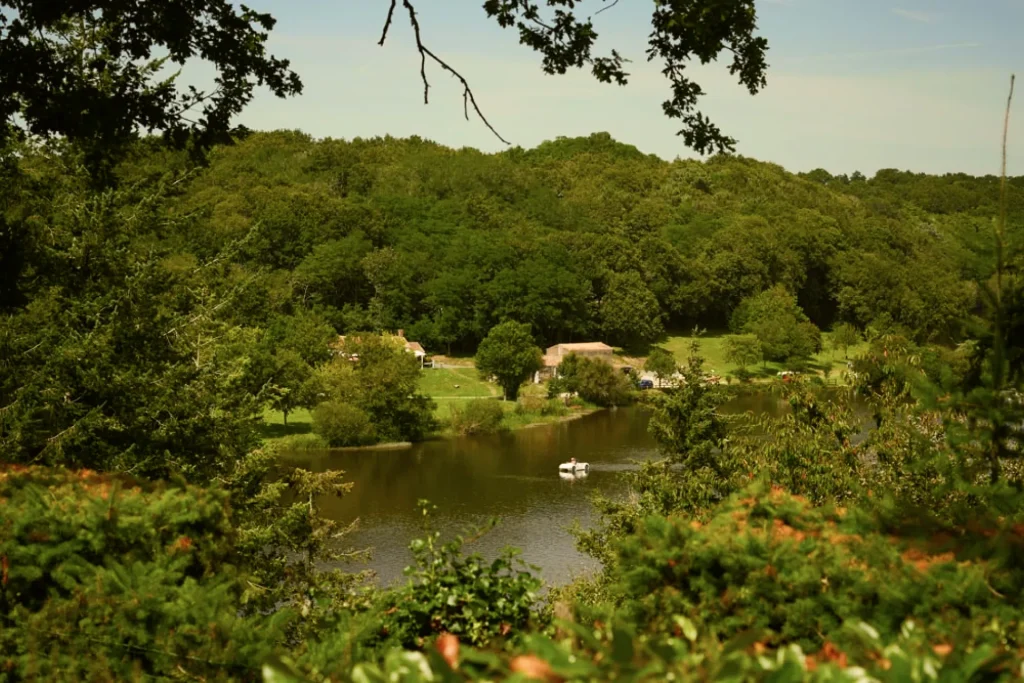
[682, 31]
[509, 354]
[578, 237]
[93, 72]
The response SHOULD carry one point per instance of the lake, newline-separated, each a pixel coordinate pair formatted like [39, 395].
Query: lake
[512, 475]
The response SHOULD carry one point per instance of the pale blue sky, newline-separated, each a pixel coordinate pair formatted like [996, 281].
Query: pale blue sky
[853, 84]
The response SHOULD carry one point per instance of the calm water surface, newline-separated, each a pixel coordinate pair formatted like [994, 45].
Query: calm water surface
[513, 476]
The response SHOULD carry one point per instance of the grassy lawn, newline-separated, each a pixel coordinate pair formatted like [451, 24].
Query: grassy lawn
[712, 348]
[455, 383]
[512, 420]
[440, 388]
[463, 360]
[299, 422]
[454, 386]
[447, 386]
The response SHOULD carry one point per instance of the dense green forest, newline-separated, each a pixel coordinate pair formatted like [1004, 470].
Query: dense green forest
[283, 242]
[581, 238]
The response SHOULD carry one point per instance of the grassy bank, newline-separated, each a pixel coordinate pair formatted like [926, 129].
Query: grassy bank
[712, 348]
[274, 428]
[448, 387]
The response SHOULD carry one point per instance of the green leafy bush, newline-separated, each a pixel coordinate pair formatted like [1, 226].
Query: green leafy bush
[554, 407]
[594, 380]
[477, 600]
[529, 404]
[556, 387]
[538, 405]
[768, 560]
[108, 578]
[479, 416]
[615, 651]
[302, 442]
[341, 424]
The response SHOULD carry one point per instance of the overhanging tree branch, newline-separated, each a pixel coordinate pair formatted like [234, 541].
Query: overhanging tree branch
[467, 92]
[683, 32]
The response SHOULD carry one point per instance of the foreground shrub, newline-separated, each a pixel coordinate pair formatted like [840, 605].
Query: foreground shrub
[341, 424]
[478, 600]
[479, 416]
[107, 578]
[612, 652]
[769, 561]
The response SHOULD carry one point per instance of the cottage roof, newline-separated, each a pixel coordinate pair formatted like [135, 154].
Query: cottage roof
[583, 346]
[415, 347]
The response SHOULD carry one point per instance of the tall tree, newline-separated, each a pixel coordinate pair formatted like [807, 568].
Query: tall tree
[743, 350]
[630, 314]
[842, 337]
[289, 373]
[662, 363]
[509, 354]
[780, 325]
[387, 380]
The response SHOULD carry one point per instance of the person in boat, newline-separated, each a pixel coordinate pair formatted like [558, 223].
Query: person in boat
[572, 461]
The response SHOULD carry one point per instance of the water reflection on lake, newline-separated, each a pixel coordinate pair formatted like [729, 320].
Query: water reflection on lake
[512, 475]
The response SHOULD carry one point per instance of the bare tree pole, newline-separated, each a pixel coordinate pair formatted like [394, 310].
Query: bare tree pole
[467, 92]
[998, 447]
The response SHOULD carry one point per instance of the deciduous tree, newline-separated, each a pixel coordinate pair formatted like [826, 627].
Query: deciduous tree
[843, 336]
[509, 354]
[630, 313]
[779, 324]
[743, 350]
[662, 363]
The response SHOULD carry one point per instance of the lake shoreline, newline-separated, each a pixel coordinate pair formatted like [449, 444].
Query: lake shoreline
[398, 445]
[440, 436]
[583, 412]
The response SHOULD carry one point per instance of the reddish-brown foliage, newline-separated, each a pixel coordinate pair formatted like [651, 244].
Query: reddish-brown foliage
[448, 646]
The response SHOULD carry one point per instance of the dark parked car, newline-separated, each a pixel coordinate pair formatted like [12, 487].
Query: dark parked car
[646, 384]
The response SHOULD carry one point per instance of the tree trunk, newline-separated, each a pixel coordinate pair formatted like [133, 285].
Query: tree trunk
[285, 413]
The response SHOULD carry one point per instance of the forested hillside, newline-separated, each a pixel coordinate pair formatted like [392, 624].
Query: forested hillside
[581, 238]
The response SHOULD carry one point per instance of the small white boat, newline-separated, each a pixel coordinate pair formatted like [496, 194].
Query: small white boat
[574, 467]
